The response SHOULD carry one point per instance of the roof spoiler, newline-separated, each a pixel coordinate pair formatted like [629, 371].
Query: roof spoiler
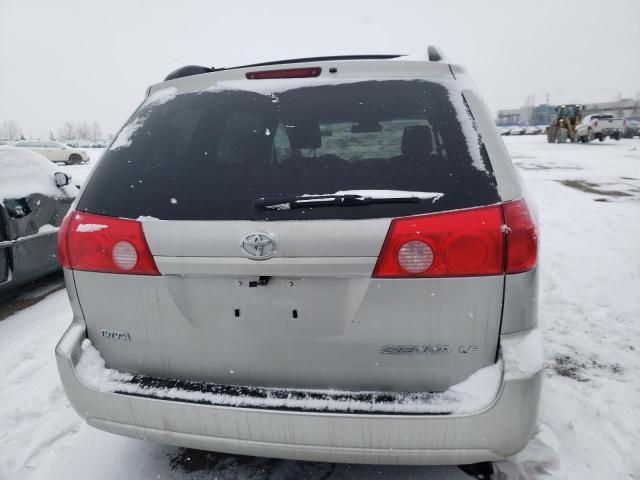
[187, 71]
[434, 54]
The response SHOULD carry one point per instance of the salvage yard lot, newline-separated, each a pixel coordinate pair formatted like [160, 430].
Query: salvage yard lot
[588, 198]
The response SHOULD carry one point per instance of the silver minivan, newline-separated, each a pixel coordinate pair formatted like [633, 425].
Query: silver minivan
[324, 259]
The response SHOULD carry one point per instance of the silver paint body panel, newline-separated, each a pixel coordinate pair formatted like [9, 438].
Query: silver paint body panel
[184, 326]
[357, 238]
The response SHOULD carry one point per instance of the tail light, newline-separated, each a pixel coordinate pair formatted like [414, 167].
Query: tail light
[481, 241]
[96, 243]
[455, 244]
[595, 123]
[522, 239]
[284, 73]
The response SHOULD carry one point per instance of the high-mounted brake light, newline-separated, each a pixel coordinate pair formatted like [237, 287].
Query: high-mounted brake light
[96, 243]
[285, 73]
[481, 241]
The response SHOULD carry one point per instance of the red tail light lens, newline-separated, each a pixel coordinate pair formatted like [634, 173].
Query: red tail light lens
[595, 123]
[455, 244]
[285, 73]
[96, 243]
[522, 239]
[465, 243]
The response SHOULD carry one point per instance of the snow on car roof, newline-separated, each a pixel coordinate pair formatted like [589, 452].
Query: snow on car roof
[23, 172]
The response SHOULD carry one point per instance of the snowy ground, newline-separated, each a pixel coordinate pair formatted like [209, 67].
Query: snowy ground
[589, 203]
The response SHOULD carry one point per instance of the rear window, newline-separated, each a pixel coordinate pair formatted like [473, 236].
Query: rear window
[209, 155]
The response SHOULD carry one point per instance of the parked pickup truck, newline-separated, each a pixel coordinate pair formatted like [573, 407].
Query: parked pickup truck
[600, 126]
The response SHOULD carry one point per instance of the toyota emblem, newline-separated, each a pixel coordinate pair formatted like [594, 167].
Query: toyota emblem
[258, 246]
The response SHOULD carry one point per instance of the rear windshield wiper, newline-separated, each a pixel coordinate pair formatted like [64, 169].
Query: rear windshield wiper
[305, 201]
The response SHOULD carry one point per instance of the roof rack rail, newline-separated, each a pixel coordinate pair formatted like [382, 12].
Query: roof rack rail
[435, 55]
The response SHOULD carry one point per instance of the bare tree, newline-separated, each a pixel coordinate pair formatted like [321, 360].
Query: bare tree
[10, 130]
[96, 131]
[80, 131]
[83, 129]
[68, 131]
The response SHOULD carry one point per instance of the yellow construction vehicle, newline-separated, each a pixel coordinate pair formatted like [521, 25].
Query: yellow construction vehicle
[563, 123]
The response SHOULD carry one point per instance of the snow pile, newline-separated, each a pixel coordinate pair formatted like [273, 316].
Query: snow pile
[472, 394]
[522, 354]
[123, 139]
[24, 172]
[48, 228]
[434, 196]
[43, 230]
[158, 97]
[90, 227]
[469, 128]
[91, 369]
[279, 206]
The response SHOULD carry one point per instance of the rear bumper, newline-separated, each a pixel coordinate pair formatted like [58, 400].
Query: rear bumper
[608, 131]
[500, 430]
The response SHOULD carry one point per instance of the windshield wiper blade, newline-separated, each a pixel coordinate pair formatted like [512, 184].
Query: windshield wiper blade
[304, 201]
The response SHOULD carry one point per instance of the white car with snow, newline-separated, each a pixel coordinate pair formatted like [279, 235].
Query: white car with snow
[34, 198]
[55, 151]
[600, 126]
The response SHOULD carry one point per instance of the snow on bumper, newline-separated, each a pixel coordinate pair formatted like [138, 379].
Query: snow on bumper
[494, 430]
[473, 394]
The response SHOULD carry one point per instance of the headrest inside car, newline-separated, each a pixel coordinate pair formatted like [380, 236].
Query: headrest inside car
[304, 134]
[417, 141]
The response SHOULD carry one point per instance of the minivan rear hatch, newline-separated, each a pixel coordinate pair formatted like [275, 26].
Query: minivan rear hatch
[266, 209]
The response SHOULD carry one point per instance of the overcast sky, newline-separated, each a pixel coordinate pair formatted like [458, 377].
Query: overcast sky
[92, 60]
